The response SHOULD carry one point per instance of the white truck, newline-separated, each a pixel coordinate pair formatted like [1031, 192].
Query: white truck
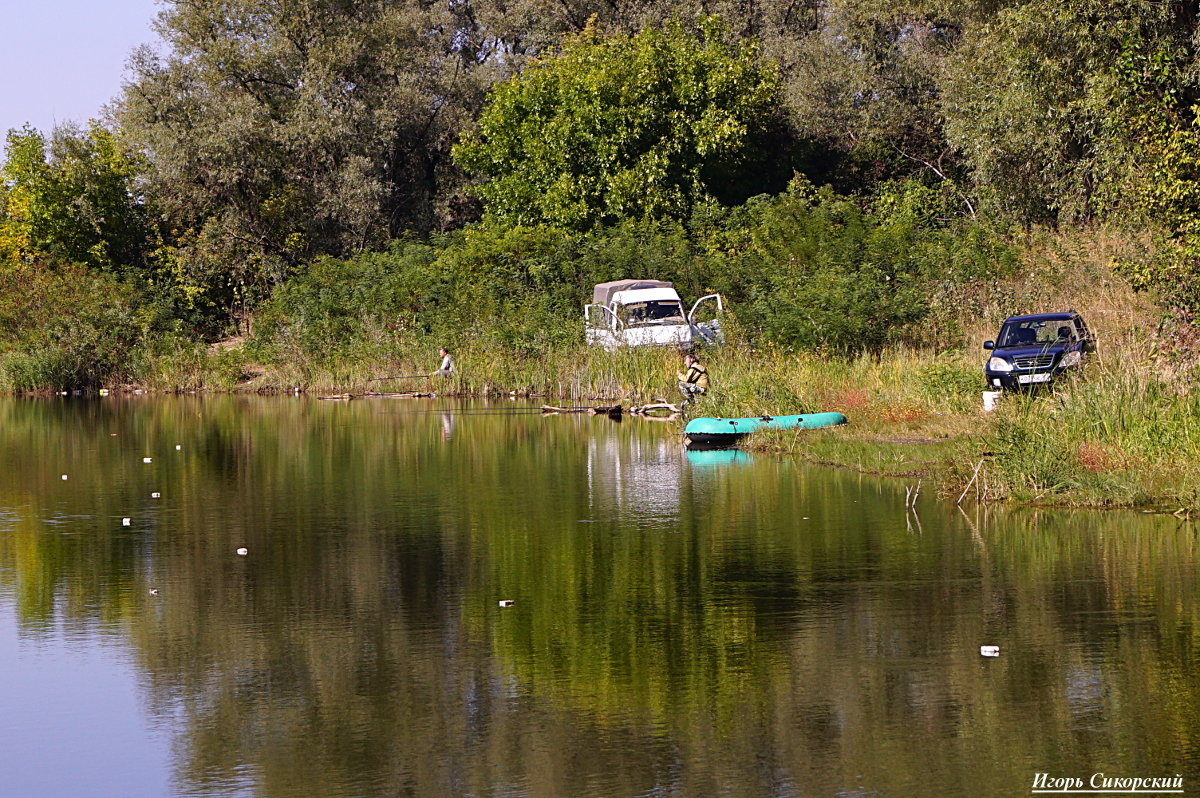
[649, 313]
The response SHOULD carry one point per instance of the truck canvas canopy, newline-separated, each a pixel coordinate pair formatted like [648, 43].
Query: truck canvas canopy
[605, 293]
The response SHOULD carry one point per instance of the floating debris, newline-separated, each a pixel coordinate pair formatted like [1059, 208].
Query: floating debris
[64, 477]
[243, 551]
[155, 495]
[507, 602]
[989, 651]
[147, 459]
[153, 591]
[126, 521]
[612, 411]
[178, 448]
[645, 410]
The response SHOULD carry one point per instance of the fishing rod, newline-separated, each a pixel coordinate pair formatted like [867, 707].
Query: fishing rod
[408, 377]
[511, 410]
[489, 411]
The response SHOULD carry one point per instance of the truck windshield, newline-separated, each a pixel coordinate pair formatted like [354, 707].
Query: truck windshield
[640, 314]
[1037, 331]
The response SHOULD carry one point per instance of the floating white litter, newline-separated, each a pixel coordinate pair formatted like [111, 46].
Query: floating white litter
[989, 651]
[126, 521]
[155, 495]
[507, 603]
[147, 459]
[64, 477]
[153, 591]
[243, 551]
[178, 447]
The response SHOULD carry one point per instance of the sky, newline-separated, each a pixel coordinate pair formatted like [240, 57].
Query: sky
[63, 60]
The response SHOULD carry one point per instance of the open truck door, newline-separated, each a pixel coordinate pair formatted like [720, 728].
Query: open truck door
[704, 319]
[603, 328]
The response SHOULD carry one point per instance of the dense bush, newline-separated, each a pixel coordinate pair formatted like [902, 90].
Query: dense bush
[66, 328]
[805, 270]
[831, 272]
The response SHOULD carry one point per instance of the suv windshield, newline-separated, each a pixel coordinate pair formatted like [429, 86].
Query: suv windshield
[642, 313]
[1037, 331]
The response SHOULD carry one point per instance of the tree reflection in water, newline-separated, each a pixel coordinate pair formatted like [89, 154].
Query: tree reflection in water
[680, 626]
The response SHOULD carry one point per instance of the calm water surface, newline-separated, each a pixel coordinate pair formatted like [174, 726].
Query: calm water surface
[685, 624]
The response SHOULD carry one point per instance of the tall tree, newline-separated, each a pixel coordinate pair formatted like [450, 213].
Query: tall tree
[280, 130]
[1034, 101]
[616, 127]
[74, 199]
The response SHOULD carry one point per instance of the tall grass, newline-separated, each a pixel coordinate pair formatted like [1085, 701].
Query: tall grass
[1116, 437]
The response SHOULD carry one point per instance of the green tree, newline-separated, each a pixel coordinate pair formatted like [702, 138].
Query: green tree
[24, 171]
[275, 133]
[1159, 114]
[73, 199]
[619, 127]
[1034, 102]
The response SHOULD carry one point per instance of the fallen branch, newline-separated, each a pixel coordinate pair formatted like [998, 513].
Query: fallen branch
[642, 410]
[978, 466]
[552, 410]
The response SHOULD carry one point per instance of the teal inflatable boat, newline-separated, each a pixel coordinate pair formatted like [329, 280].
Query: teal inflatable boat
[719, 432]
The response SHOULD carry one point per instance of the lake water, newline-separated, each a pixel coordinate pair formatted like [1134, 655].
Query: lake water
[683, 624]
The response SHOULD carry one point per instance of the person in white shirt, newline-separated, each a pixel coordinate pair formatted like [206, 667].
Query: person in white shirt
[447, 368]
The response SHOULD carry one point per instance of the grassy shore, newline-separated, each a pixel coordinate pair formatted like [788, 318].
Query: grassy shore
[1126, 432]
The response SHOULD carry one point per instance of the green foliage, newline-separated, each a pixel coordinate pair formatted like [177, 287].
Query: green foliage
[74, 200]
[1035, 101]
[623, 127]
[832, 274]
[67, 328]
[283, 150]
[326, 310]
[1164, 168]
[806, 270]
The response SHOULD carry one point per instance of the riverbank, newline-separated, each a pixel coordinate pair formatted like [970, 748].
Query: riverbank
[1126, 432]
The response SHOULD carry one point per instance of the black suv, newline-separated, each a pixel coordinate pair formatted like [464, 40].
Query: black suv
[1034, 350]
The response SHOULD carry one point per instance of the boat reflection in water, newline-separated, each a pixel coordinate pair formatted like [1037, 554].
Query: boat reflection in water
[709, 458]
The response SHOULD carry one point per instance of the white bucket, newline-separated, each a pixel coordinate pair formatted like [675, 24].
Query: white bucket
[990, 399]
